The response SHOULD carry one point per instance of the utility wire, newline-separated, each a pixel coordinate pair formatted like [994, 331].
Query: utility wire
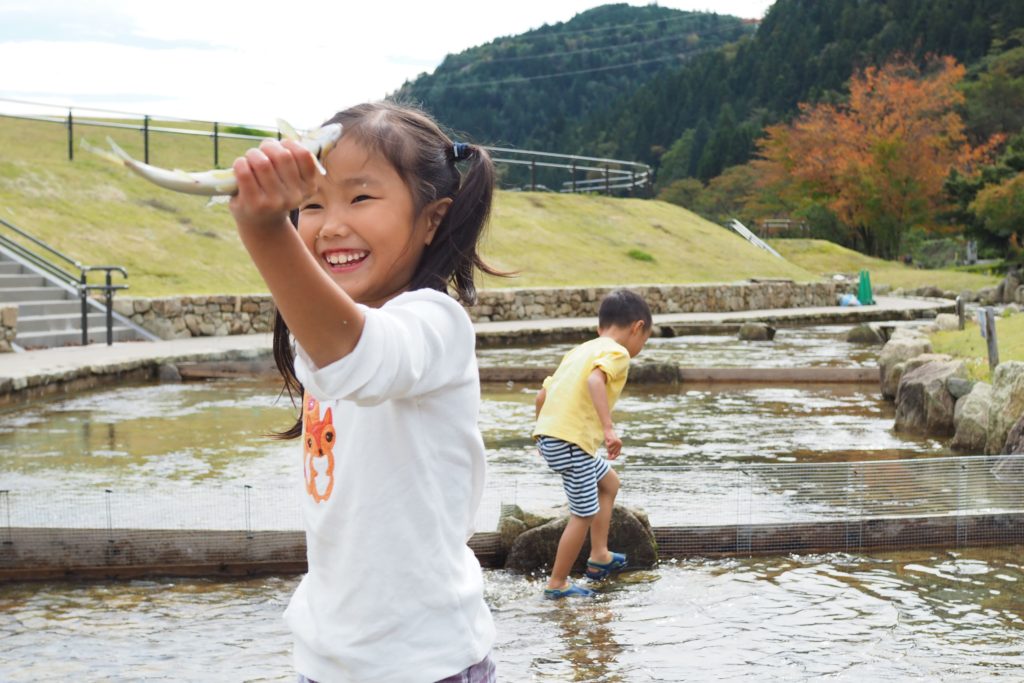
[522, 79]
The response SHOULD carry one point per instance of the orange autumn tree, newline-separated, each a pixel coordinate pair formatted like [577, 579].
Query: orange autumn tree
[878, 161]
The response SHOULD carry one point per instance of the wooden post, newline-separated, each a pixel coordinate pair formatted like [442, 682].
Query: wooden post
[216, 145]
[960, 311]
[988, 319]
[145, 138]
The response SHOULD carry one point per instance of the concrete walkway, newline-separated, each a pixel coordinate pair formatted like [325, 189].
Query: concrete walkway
[53, 371]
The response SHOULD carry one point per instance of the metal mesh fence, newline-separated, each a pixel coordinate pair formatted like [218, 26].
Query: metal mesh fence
[701, 510]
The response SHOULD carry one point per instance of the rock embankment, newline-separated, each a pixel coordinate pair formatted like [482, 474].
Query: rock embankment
[934, 396]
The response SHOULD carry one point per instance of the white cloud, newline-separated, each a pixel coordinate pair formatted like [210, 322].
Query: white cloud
[253, 61]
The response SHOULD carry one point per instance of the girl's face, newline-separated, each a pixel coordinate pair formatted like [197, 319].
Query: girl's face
[362, 227]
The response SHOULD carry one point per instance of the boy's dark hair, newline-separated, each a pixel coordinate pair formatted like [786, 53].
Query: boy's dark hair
[426, 159]
[622, 308]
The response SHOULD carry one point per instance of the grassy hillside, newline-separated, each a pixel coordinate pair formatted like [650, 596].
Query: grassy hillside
[171, 243]
[174, 244]
[827, 258]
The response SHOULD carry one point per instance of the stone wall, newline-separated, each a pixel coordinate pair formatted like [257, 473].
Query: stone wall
[200, 316]
[8, 327]
[196, 316]
[573, 302]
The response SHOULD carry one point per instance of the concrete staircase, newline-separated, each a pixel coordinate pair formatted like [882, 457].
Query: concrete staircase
[50, 313]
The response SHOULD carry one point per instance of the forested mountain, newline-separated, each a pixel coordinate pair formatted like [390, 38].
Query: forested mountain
[639, 81]
[804, 50]
[533, 90]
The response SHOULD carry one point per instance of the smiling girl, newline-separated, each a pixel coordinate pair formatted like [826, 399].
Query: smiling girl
[393, 461]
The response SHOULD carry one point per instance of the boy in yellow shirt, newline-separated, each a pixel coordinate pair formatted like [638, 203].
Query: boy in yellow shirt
[573, 419]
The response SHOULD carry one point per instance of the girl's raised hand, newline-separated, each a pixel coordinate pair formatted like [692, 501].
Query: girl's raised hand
[273, 179]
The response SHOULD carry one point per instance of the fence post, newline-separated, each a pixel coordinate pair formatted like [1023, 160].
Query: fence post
[110, 521]
[145, 138]
[216, 145]
[607, 182]
[71, 136]
[110, 310]
[6, 495]
[574, 176]
[533, 175]
[989, 332]
[248, 515]
[960, 312]
[84, 293]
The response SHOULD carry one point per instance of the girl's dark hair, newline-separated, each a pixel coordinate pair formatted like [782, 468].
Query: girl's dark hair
[622, 308]
[426, 159]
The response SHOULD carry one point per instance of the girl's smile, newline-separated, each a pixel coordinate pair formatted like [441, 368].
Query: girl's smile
[344, 260]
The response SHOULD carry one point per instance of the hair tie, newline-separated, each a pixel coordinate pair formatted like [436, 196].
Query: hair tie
[460, 151]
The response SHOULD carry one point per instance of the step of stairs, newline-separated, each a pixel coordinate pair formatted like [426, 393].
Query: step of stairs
[50, 315]
[50, 339]
[20, 294]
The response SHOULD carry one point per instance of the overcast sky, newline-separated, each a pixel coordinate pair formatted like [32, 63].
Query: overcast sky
[254, 61]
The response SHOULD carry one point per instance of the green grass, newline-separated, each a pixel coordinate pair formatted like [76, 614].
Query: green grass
[827, 258]
[171, 243]
[969, 345]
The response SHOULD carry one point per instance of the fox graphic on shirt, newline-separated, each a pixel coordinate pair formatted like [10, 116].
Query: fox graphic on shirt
[318, 440]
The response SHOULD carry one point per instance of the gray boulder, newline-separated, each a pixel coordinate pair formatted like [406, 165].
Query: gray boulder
[970, 419]
[899, 349]
[1006, 290]
[923, 404]
[757, 332]
[630, 533]
[959, 387]
[1007, 403]
[947, 321]
[864, 334]
[988, 296]
[1015, 439]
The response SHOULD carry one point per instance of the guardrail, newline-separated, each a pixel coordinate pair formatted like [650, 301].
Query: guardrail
[586, 174]
[79, 283]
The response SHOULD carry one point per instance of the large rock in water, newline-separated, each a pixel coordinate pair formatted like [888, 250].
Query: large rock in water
[630, 533]
[898, 349]
[923, 404]
[757, 332]
[1007, 403]
[970, 420]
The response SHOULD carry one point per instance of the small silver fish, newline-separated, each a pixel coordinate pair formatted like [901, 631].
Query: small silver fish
[219, 181]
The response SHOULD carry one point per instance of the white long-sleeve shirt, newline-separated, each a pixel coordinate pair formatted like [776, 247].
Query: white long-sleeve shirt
[393, 476]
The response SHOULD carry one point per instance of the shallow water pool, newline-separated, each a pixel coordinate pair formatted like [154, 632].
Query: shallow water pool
[907, 616]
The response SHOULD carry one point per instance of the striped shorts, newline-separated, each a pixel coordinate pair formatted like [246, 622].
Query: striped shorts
[580, 473]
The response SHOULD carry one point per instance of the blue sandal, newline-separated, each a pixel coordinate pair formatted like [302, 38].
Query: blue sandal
[571, 590]
[598, 570]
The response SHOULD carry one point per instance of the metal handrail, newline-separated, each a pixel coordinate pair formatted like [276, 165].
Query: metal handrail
[639, 174]
[79, 283]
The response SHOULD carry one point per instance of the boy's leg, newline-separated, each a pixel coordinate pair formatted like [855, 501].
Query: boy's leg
[607, 489]
[569, 546]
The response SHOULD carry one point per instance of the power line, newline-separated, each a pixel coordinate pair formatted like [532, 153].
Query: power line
[522, 79]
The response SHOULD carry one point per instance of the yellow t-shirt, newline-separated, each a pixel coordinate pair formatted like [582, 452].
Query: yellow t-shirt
[568, 412]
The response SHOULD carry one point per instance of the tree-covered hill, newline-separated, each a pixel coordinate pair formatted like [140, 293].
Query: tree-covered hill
[533, 90]
[689, 92]
[713, 107]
